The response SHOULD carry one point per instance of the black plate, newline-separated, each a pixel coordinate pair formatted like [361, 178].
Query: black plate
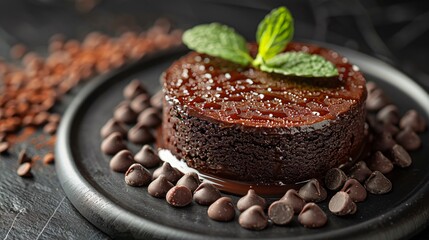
[122, 211]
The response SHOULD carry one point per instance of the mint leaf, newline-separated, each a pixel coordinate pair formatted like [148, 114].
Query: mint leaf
[219, 41]
[273, 34]
[300, 64]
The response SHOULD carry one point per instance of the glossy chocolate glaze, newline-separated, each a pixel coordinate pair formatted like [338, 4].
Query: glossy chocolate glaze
[222, 91]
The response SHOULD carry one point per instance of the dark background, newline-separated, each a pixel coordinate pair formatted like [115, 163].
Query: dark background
[395, 31]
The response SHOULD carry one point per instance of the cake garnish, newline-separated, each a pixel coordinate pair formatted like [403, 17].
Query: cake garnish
[274, 32]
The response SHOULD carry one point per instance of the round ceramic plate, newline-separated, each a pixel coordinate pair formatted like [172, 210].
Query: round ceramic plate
[102, 196]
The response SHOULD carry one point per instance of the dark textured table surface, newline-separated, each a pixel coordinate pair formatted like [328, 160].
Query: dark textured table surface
[37, 208]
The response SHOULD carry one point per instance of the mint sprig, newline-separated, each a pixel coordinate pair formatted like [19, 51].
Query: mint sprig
[274, 33]
[219, 41]
[300, 64]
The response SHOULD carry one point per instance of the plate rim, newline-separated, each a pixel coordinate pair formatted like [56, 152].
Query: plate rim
[141, 227]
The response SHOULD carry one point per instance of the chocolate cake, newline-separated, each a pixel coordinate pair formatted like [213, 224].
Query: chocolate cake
[244, 124]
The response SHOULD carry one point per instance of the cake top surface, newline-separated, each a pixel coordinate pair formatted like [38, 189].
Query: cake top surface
[220, 90]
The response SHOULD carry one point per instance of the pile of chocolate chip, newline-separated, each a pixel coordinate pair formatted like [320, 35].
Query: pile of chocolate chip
[29, 90]
[389, 135]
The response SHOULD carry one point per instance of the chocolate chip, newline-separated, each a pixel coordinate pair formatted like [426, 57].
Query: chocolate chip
[312, 191]
[147, 157]
[355, 190]
[389, 114]
[24, 170]
[156, 100]
[113, 126]
[335, 179]
[123, 113]
[206, 194]
[49, 158]
[371, 86]
[140, 103]
[179, 196]
[159, 187]
[388, 128]
[222, 210]
[400, 156]
[312, 216]
[377, 183]
[150, 118]
[140, 134]
[133, 89]
[121, 161]
[4, 147]
[412, 119]
[360, 171]
[383, 141]
[376, 100]
[253, 218]
[23, 157]
[341, 204]
[137, 175]
[408, 139]
[250, 199]
[113, 144]
[292, 198]
[168, 171]
[280, 212]
[190, 180]
[379, 162]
